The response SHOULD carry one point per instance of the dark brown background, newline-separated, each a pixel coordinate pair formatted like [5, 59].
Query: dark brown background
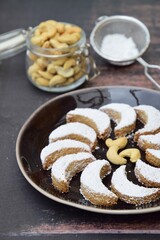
[24, 212]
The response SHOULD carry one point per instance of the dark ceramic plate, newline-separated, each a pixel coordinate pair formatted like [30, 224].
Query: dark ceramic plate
[34, 136]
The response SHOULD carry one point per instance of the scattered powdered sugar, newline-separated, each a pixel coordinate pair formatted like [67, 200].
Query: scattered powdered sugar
[130, 136]
[90, 177]
[125, 187]
[119, 47]
[59, 167]
[154, 152]
[148, 172]
[127, 113]
[97, 147]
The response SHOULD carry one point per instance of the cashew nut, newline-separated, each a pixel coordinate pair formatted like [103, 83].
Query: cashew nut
[37, 40]
[37, 32]
[42, 62]
[45, 74]
[114, 146]
[48, 28]
[46, 44]
[34, 76]
[57, 80]
[69, 38]
[42, 82]
[133, 153]
[69, 63]
[72, 29]
[78, 75]
[65, 73]
[69, 81]
[112, 155]
[77, 69]
[51, 68]
[33, 68]
[56, 44]
[60, 27]
[119, 142]
[59, 62]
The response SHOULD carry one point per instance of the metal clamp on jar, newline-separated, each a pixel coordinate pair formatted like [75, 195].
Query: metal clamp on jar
[51, 66]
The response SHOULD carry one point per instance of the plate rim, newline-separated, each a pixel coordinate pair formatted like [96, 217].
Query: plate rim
[66, 202]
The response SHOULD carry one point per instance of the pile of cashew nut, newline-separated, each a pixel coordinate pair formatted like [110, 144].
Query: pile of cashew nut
[51, 72]
[119, 158]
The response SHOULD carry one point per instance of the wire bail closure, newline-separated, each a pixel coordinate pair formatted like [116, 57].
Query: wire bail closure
[93, 67]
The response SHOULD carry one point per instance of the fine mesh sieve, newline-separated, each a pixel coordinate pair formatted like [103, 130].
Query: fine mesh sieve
[130, 27]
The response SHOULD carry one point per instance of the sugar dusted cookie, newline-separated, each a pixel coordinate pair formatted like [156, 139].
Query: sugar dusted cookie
[153, 157]
[94, 118]
[55, 150]
[92, 187]
[124, 116]
[149, 141]
[66, 167]
[147, 174]
[129, 192]
[75, 131]
[150, 117]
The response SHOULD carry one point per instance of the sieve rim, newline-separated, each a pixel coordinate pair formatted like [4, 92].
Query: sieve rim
[112, 19]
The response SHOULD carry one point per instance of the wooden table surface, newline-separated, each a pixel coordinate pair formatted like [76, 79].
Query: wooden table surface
[24, 212]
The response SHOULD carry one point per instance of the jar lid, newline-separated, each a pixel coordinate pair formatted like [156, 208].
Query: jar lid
[12, 43]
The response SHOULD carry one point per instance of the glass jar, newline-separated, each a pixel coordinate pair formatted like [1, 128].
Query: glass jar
[51, 69]
[60, 69]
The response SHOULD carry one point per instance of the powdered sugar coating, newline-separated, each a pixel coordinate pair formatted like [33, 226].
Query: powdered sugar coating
[154, 152]
[74, 128]
[58, 145]
[128, 114]
[118, 46]
[153, 118]
[125, 187]
[147, 171]
[151, 138]
[90, 177]
[59, 167]
[101, 120]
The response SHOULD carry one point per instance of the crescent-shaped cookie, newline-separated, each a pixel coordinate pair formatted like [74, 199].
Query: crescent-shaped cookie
[92, 187]
[55, 150]
[150, 117]
[129, 192]
[75, 131]
[123, 115]
[66, 167]
[149, 141]
[94, 118]
[153, 157]
[147, 174]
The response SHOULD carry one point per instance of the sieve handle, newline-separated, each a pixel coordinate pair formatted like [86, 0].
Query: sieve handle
[146, 68]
